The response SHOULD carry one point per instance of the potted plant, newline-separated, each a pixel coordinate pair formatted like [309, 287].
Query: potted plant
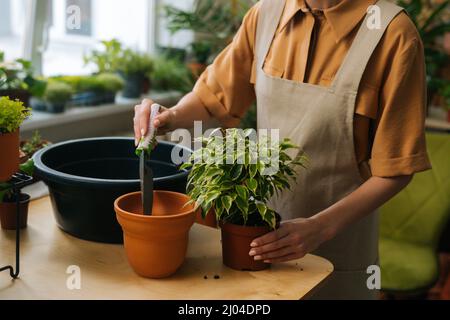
[237, 185]
[56, 96]
[133, 66]
[92, 90]
[8, 202]
[31, 146]
[12, 114]
[17, 81]
[111, 84]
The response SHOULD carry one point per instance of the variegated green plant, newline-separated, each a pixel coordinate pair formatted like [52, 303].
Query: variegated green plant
[238, 184]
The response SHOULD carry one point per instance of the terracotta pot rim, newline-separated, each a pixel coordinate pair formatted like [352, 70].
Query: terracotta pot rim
[246, 231]
[10, 133]
[134, 216]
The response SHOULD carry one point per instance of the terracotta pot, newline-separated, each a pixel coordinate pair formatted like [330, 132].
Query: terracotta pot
[209, 221]
[236, 241]
[155, 245]
[8, 211]
[9, 160]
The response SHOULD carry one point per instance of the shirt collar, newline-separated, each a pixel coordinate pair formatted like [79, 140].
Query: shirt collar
[343, 17]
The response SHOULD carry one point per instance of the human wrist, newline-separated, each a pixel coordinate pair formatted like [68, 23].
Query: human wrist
[326, 226]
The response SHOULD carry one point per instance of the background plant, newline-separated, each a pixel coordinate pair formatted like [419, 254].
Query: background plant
[34, 144]
[12, 114]
[115, 58]
[171, 74]
[214, 22]
[104, 82]
[237, 192]
[432, 21]
[18, 74]
[58, 93]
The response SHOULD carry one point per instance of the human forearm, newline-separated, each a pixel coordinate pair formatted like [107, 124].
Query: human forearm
[297, 237]
[189, 109]
[364, 200]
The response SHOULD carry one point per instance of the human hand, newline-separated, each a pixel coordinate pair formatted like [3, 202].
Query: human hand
[163, 121]
[292, 240]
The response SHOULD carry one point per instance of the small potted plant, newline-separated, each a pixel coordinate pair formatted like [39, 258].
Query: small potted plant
[17, 81]
[12, 114]
[8, 202]
[111, 84]
[237, 185]
[133, 66]
[56, 96]
[31, 146]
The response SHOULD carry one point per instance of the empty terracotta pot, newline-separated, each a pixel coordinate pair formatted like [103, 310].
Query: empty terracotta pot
[9, 159]
[8, 213]
[155, 245]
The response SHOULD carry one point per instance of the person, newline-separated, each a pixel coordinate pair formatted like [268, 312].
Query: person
[345, 80]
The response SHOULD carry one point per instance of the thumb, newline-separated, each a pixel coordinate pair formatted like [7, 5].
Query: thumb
[162, 119]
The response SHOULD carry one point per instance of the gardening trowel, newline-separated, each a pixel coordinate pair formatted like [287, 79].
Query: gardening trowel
[146, 145]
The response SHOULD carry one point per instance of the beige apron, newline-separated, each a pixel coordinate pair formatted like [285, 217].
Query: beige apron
[320, 120]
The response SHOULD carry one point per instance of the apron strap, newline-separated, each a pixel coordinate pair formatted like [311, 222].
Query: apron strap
[270, 12]
[349, 76]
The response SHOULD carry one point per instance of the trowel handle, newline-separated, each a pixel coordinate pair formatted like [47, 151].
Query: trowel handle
[151, 131]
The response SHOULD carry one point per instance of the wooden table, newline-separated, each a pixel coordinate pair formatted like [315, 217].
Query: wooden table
[47, 252]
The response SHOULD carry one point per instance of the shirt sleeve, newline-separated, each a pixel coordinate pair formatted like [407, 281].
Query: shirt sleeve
[225, 87]
[399, 146]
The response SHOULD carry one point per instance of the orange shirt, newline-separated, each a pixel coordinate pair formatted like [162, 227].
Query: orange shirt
[309, 46]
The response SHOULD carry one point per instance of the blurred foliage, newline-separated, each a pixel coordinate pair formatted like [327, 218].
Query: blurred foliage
[115, 58]
[171, 74]
[58, 93]
[214, 23]
[18, 74]
[104, 82]
[432, 20]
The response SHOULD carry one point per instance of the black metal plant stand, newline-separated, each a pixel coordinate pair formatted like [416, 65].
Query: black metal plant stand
[18, 181]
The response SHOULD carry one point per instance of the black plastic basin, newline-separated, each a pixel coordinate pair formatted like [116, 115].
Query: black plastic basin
[86, 176]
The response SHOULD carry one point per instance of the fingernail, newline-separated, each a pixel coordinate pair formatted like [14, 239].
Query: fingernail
[156, 123]
[266, 261]
[257, 258]
[142, 132]
[253, 244]
[135, 142]
[252, 252]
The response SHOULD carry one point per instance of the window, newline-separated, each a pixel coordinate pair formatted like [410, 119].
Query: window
[127, 21]
[12, 27]
[84, 8]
